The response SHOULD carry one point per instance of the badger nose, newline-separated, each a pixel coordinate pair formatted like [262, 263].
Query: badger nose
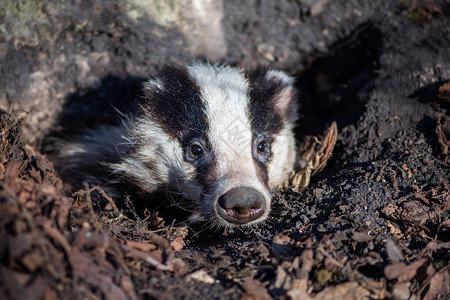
[241, 205]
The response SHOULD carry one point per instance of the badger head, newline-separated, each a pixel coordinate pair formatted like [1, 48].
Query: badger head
[219, 136]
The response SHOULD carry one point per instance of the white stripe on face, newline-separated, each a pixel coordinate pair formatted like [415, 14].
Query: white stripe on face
[224, 91]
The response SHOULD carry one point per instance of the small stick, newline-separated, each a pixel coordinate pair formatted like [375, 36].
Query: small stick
[102, 192]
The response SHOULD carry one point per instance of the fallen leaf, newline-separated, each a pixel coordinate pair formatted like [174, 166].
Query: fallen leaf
[141, 246]
[282, 279]
[443, 133]
[298, 294]
[343, 291]
[315, 152]
[359, 236]
[254, 290]
[403, 272]
[201, 276]
[444, 92]
[394, 253]
[177, 244]
[437, 284]
[401, 291]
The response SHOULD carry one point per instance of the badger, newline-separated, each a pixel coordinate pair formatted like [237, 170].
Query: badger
[219, 136]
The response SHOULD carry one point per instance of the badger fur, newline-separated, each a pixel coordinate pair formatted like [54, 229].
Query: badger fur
[218, 135]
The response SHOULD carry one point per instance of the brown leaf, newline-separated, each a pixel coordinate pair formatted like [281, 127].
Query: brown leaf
[326, 148]
[141, 246]
[438, 284]
[343, 291]
[307, 261]
[19, 244]
[364, 236]
[32, 261]
[18, 285]
[56, 235]
[298, 294]
[444, 92]
[84, 267]
[315, 152]
[403, 272]
[394, 253]
[283, 280]
[401, 291]
[254, 290]
[419, 194]
[128, 287]
[201, 276]
[443, 133]
[177, 244]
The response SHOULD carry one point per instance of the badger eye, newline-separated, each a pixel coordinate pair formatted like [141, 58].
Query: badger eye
[262, 150]
[262, 147]
[196, 150]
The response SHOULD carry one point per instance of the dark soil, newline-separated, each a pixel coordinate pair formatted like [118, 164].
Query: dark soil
[374, 224]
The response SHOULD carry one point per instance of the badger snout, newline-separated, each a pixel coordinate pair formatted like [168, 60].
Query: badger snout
[241, 205]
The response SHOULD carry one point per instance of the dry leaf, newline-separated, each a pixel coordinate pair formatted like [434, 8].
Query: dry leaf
[444, 92]
[443, 131]
[254, 290]
[344, 291]
[315, 153]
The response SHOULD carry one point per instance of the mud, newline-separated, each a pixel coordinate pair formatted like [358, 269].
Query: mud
[373, 224]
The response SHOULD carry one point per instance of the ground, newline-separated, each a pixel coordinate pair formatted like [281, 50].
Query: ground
[374, 224]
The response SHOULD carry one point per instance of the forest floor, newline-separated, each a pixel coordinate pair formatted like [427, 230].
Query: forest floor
[374, 224]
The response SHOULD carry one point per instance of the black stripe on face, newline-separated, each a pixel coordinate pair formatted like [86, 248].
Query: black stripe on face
[207, 174]
[175, 103]
[266, 120]
[173, 100]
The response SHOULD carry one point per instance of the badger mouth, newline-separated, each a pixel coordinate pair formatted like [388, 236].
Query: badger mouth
[241, 205]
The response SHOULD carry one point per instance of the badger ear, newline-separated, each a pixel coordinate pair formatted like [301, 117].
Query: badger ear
[273, 91]
[284, 95]
[152, 86]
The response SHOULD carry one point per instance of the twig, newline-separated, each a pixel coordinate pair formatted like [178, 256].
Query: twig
[102, 192]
